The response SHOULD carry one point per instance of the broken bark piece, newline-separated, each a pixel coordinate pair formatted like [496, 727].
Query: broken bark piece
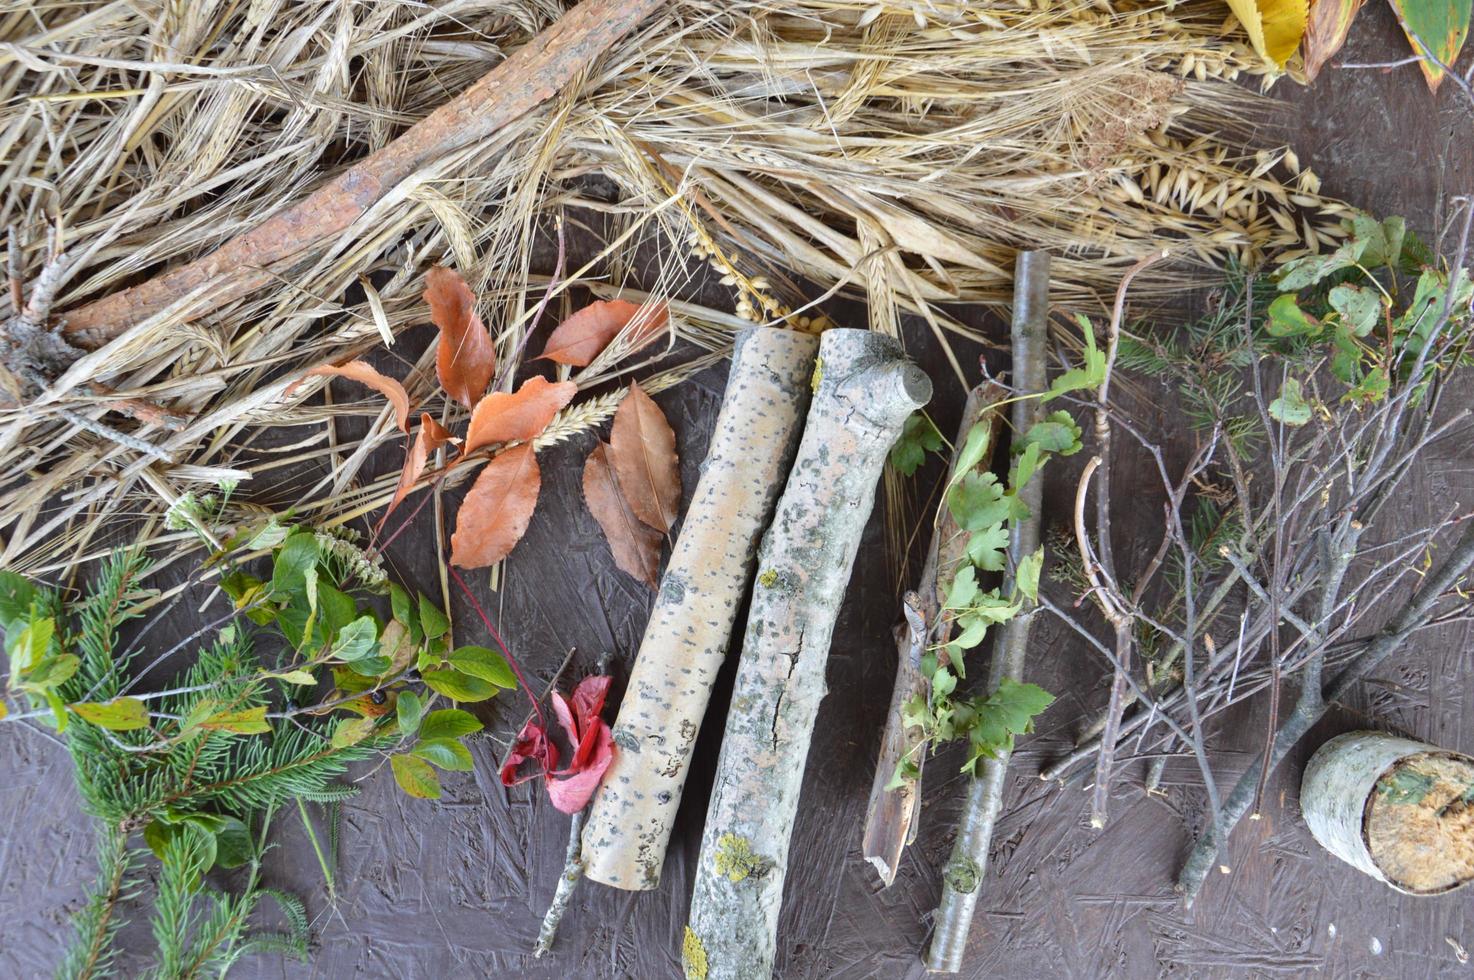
[531, 75]
[864, 390]
[890, 822]
[1401, 811]
[686, 639]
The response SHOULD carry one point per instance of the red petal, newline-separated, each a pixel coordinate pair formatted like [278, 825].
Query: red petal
[572, 794]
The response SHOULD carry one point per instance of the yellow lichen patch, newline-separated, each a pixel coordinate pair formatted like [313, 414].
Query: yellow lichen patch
[735, 859]
[818, 374]
[768, 579]
[693, 956]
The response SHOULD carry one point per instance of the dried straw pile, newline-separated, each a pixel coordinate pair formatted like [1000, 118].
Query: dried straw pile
[901, 149]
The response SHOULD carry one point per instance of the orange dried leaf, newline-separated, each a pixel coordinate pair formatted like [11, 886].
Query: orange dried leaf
[642, 451]
[584, 335]
[1325, 32]
[523, 415]
[432, 436]
[465, 359]
[494, 515]
[361, 372]
[635, 545]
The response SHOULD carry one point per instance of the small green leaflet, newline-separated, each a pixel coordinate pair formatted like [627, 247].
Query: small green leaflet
[964, 588]
[120, 715]
[432, 620]
[1286, 319]
[30, 644]
[974, 448]
[1089, 374]
[357, 640]
[415, 777]
[1007, 712]
[406, 610]
[976, 501]
[445, 753]
[918, 437]
[1290, 407]
[1027, 574]
[408, 708]
[1056, 433]
[449, 723]
[986, 548]
[293, 677]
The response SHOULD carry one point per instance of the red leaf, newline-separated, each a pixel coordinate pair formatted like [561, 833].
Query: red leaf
[584, 335]
[642, 450]
[503, 417]
[494, 515]
[466, 357]
[587, 702]
[636, 546]
[361, 372]
[571, 794]
[432, 436]
[532, 744]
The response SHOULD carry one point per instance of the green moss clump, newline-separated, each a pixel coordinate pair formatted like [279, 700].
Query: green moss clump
[693, 956]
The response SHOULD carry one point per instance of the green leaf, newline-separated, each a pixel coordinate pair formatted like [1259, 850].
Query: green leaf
[294, 677]
[1300, 273]
[1056, 433]
[1290, 407]
[1360, 308]
[120, 715]
[415, 777]
[289, 570]
[907, 771]
[964, 588]
[987, 548]
[241, 721]
[351, 731]
[918, 437]
[1026, 576]
[974, 448]
[233, 844]
[16, 595]
[485, 664]
[432, 620]
[446, 753]
[1441, 25]
[1026, 465]
[449, 723]
[51, 672]
[408, 709]
[943, 684]
[990, 607]
[356, 641]
[976, 502]
[458, 686]
[29, 645]
[1286, 319]
[406, 611]
[1007, 712]
[1091, 372]
[972, 634]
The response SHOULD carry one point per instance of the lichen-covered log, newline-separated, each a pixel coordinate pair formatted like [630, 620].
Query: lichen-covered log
[686, 639]
[962, 878]
[864, 390]
[890, 821]
[1396, 809]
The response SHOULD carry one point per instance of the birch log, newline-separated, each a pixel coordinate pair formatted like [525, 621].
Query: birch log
[890, 822]
[686, 639]
[865, 389]
[962, 878]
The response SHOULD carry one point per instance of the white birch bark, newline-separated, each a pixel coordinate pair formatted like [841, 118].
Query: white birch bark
[630, 819]
[865, 390]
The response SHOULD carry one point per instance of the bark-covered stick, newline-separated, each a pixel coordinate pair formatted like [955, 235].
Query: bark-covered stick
[890, 822]
[572, 871]
[865, 388]
[962, 878]
[686, 639]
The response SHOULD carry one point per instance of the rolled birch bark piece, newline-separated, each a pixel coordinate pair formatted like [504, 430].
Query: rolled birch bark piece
[864, 390]
[1398, 810]
[757, 429]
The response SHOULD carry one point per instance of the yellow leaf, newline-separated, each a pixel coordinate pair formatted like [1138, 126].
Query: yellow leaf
[1275, 27]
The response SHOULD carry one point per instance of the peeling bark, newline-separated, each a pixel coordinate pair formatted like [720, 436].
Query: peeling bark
[890, 822]
[864, 390]
[686, 639]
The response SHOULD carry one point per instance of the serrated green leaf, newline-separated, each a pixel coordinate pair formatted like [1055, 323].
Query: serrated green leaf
[1286, 319]
[51, 672]
[449, 723]
[987, 549]
[415, 777]
[976, 501]
[1006, 713]
[119, 715]
[943, 684]
[29, 645]
[1360, 307]
[458, 686]
[963, 588]
[445, 753]
[1088, 375]
[1056, 433]
[485, 664]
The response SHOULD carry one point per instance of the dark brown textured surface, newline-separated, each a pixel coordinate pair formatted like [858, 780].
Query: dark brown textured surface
[456, 890]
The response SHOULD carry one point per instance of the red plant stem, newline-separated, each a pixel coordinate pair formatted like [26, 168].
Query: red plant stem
[512, 661]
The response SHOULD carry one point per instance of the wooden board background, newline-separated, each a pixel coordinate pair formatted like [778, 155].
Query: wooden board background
[456, 890]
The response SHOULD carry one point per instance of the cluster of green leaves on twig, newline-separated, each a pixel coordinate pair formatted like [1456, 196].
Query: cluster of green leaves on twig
[983, 508]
